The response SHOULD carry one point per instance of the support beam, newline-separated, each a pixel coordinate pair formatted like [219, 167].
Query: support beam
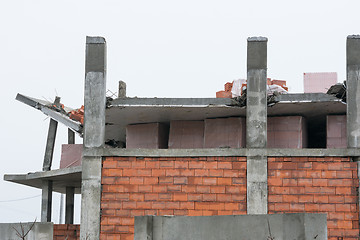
[71, 136]
[50, 142]
[46, 201]
[94, 136]
[353, 90]
[256, 125]
[69, 205]
[122, 89]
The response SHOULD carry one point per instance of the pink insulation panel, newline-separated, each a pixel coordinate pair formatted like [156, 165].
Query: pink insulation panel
[286, 132]
[71, 155]
[319, 82]
[186, 134]
[336, 131]
[148, 135]
[225, 132]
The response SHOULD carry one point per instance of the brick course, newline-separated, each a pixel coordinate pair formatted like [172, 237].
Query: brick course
[192, 186]
[66, 231]
[326, 185]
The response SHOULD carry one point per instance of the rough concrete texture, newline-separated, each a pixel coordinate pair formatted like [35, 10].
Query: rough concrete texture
[257, 185]
[40, 231]
[186, 134]
[94, 108]
[46, 200]
[148, 135]
[336, 131]
[286, 132]
[294, 226]
[225, 133]
[353, 91]
[94, 135]
[256, 106]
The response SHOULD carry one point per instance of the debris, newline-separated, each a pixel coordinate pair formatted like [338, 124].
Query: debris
[77, 115]
[338, 90]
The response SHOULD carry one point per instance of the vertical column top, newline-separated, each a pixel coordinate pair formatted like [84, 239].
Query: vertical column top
[95, 54]
[257, 39]
[95, 40]
[353, 50]
[257, 53]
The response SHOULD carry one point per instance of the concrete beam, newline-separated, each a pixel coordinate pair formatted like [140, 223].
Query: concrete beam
[46, 201]
[256, 125]
[353, 90]
[50, 142]
[94, 136]
[218, 152]
[69, 205]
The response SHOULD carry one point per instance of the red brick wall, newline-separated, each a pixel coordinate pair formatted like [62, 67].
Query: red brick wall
[66, 231]
[169, 186]
[324, 185]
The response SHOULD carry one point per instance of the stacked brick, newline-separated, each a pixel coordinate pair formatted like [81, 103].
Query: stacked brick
[66, 232]
[325, 185]
[191, 186]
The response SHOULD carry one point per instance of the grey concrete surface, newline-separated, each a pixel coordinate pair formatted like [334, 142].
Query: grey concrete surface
[50, 144]
[61, 178]
[256, 125]
[294, 226]
[40, 231]
[46, 200]
[94, 136]
[122, 89]
[218, 152]
[69, 205]
[353, 90]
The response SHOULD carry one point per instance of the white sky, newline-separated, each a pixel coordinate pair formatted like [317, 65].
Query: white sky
[159, 48]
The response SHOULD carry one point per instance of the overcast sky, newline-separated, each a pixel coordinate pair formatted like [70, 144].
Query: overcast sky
[159, 48]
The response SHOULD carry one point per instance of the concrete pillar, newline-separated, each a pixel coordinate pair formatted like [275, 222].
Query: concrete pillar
[46, 201]
[122, 89]
[50, 142]
[94, 136]
[256, 125]
[69, 205]
[71, 136]
[353, 90]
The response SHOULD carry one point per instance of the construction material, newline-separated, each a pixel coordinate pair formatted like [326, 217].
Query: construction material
[224, 133]
[150, 135]
[186, 134]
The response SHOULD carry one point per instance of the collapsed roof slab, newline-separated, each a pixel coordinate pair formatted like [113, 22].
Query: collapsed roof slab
[61, 178]
[44, 106]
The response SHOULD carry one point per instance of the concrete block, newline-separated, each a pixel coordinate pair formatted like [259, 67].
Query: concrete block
[186, 134]
[71, 155]
[38, 231]
[319, 82]
[297, 226]
[149, 135]
[225, 132]
[287, 132]
[336, 131]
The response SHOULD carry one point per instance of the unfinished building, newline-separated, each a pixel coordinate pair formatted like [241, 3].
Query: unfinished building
[290, 153]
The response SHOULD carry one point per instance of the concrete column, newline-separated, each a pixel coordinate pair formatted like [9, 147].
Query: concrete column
[94, 136]
[256, 125]
[122, 89]
[46, 201]
[69, 205]
[353, 90]
[71, 136]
